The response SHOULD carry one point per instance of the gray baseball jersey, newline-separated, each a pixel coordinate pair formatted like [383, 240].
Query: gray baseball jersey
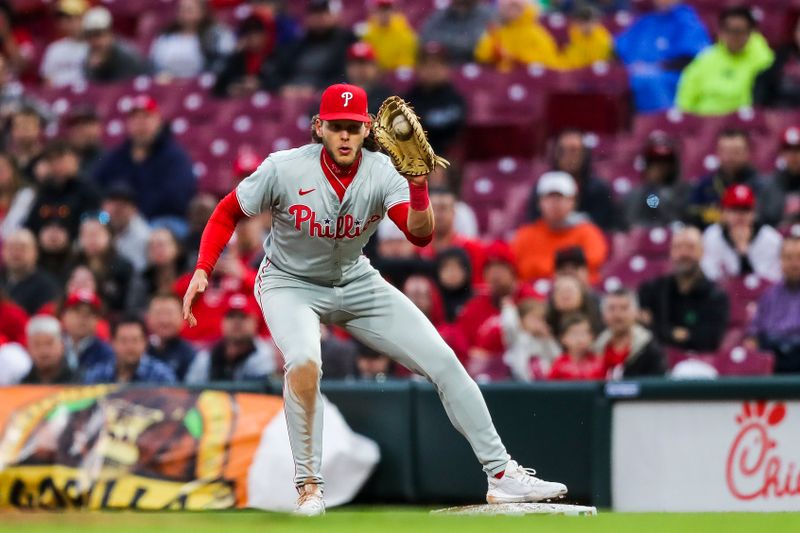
[314, 235]
[314, 272]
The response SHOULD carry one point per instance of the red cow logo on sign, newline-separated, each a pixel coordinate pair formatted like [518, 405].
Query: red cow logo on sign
[755, 467]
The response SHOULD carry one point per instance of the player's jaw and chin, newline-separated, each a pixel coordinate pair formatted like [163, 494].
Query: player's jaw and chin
[342, 139]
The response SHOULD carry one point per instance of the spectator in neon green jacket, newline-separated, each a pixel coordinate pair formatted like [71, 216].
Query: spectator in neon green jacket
[720, 79]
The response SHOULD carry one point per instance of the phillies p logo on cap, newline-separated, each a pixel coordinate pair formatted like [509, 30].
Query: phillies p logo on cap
[344, 102]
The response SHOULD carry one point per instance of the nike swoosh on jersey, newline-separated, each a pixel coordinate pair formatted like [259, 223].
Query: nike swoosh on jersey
[303, 193]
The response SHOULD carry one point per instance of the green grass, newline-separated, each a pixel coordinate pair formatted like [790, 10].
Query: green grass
[390, 520]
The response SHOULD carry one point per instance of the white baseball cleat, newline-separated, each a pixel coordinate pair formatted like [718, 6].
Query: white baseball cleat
[310, 501]
[519, 485]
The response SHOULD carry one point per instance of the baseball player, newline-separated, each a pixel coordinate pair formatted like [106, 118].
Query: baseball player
[326, 199]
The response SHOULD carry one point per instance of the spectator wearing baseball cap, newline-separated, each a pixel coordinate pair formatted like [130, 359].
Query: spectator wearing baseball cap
[109, 59]
[458, 27]
[500, 281]
[153, 164]
[252, 66]
[517, 39]
[241, 355]
[738, 245]
[62, 63]
[571, 154]
[662, 196]
[436, 99]
[363, 71]
[535, 244]
[84, 131]
[131, 362]
[390, 34]
[318, 58]
[129, 229]
[63, 193]
[779, 85]
[79, 315]
[787, 177]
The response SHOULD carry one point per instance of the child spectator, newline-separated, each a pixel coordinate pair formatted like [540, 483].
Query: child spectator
[589, 41]
[531, 348]
[390, 34]
[577, 361]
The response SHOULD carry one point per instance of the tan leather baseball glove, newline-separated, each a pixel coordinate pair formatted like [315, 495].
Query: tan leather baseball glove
[399, 132]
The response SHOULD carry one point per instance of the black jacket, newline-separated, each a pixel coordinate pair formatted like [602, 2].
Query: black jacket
[772, 87]
[65, 202]
[646, 357]
[443, 111]
[703, 311]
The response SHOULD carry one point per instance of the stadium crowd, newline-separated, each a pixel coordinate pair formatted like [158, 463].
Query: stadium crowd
[684, 270]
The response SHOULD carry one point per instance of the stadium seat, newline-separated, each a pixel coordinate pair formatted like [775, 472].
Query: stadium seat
[739, 361]
[744, 292]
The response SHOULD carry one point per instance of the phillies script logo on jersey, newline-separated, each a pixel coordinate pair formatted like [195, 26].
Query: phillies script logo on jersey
[343, 227]
[757, 467]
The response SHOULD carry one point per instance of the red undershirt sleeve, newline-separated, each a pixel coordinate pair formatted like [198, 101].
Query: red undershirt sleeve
[399, 215]
[218, 231]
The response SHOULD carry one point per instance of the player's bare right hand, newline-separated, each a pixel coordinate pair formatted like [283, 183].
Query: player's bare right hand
[196, 287]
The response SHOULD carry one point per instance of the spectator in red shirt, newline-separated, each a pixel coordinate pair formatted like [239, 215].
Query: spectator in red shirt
[500, 275]
[12, 327]
[230, 277]
[446, 235]
[577, 361]
[627, 348]
[423, 293]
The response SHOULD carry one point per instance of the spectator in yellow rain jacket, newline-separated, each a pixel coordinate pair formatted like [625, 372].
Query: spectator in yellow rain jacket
[589, 41]
[720, 79]
[390, 35]
[517, 38]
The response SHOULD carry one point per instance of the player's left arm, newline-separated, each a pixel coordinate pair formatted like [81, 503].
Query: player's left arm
[420, 214]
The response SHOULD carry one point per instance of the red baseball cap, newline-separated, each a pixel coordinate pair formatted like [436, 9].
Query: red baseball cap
[361, 51]
[144, 102]
[239, 302]
[83, 297]
[739, 197]
[344, 102]
[500, 252]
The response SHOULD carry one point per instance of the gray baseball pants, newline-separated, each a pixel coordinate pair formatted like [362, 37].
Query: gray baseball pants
[381, 317]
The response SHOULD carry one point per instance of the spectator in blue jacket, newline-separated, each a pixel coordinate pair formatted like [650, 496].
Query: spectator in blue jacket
[152, 163]
[165, 320]
[656, 48]
[130, 364]
[79, 316]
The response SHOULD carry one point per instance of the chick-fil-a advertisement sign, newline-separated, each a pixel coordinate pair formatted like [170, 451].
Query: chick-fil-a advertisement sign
[706, 456]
